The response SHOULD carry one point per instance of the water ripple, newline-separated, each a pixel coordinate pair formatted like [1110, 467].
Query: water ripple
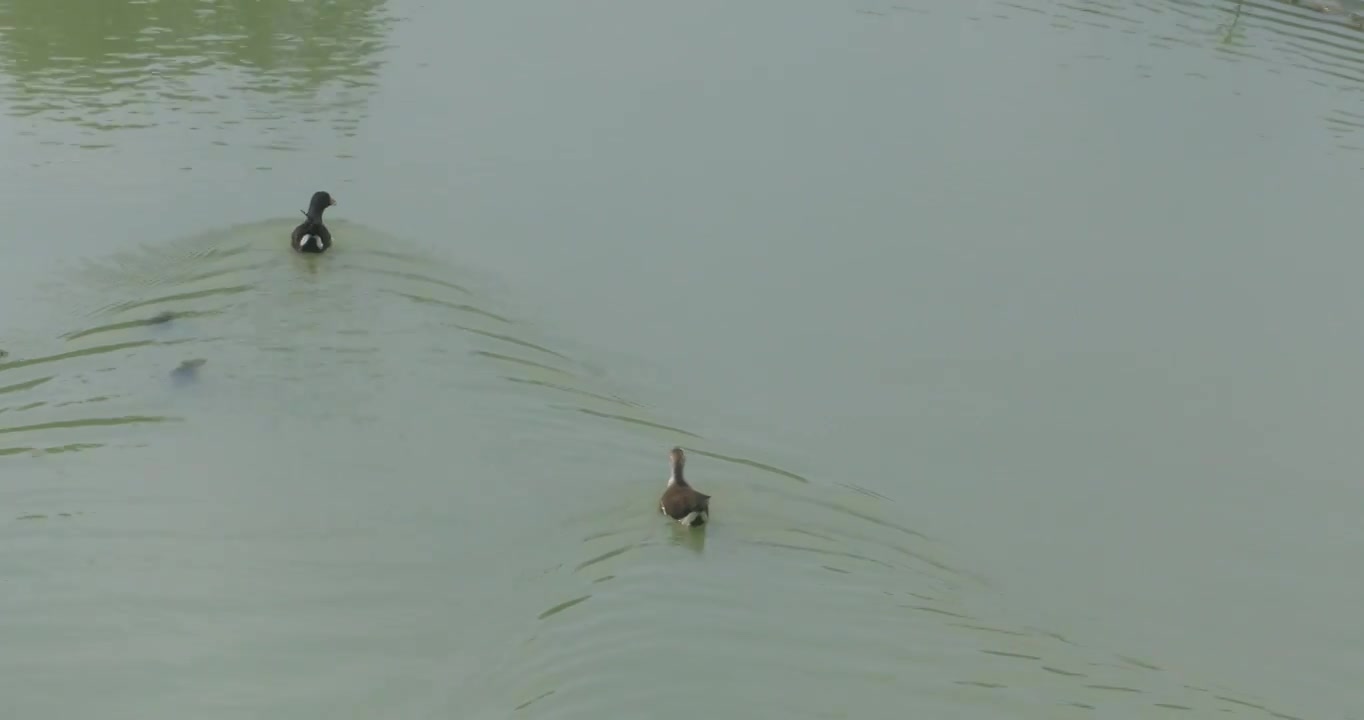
[854, 602]
[1322, 38]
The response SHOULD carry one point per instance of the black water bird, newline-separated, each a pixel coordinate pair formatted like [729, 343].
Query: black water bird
[311, 236]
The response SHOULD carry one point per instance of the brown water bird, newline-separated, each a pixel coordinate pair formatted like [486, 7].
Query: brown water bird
[681, 501]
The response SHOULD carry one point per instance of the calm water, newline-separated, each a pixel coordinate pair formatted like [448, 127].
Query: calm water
[1016, 341]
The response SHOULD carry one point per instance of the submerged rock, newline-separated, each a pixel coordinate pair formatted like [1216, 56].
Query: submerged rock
[187, 370]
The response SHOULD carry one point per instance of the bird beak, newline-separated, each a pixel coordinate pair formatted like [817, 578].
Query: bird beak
[333, 201]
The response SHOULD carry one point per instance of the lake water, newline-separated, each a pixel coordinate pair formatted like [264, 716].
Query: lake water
[1016, 342]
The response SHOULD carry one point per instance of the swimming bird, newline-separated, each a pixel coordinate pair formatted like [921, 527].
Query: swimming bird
[311, 236]
[681, 501]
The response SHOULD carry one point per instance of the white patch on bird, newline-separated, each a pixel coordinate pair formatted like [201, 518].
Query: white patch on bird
[690, 518]
[672, 480]
[308, 240]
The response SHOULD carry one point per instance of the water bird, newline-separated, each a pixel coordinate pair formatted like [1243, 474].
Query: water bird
[311, 236]
[681, 501]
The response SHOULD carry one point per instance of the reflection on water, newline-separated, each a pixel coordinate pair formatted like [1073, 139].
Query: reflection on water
[118, 65]
[803, 589]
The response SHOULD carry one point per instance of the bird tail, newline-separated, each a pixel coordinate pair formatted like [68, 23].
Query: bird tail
[695, 518]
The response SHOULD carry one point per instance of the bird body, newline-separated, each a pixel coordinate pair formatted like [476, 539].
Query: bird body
[311, 236]
[681, 501]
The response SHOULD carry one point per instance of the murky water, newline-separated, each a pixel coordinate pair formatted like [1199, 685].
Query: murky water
[1012, 339]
